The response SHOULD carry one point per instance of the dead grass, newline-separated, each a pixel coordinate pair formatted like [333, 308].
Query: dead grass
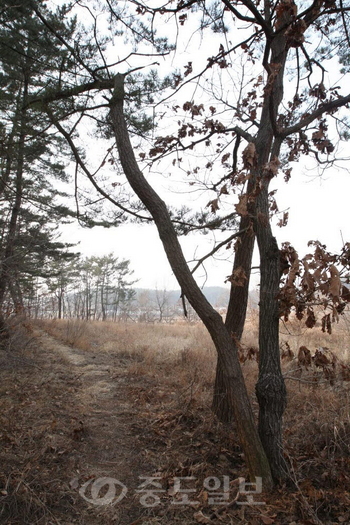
[183, 355]
[164, 339]
[297, 334]
[146, 389]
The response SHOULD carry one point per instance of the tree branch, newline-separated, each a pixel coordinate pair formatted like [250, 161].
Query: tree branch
[211, 225]
[217, 248]
[97, 85]
[233, 10]
[180, 147]
[307, 119]
[210, 64]
[89, 175]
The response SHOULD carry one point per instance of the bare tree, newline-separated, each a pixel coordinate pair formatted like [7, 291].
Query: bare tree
[162, 303]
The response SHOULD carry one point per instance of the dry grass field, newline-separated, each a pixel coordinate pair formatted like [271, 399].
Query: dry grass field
[85, 401]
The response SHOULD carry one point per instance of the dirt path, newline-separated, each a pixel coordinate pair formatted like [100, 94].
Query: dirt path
[69, 419]
[99, 400]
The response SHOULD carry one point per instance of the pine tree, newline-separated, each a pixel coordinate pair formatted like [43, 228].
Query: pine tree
[30, 204]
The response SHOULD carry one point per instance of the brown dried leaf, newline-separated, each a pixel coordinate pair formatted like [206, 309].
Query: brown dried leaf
[253, 114]
[238, 277]
[299, 312]
[225, 158]
[311, 319]
[284, 221]
[335, 285]
[287, 353]
[335, 315]
[224, 190]
[237, 243]
[318, 135]
[307, 281]
[304, 357]
[188, 67]
[286, 9]
[266, 520]
[242, 205]
[326, 323]
[295, 33]
[318, 91]
[252, 353]
[271, 168]
[214, 205]
[249, 156]
[324, 357]
[293, 272]
[287, 174]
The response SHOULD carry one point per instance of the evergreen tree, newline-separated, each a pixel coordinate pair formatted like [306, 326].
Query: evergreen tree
[90, 288]
[31, 205]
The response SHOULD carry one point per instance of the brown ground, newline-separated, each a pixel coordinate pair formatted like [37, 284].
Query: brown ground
[70, 416]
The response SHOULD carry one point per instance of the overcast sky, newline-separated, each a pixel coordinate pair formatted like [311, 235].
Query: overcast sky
[318, 210]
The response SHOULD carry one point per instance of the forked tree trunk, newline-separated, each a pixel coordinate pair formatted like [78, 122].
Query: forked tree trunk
[236, 314]
[270, 389]
[227, 350]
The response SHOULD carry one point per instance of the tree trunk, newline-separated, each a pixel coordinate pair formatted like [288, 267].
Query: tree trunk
[266, 149]
[103, 309]
[9, 152]
[8, 258]
[270, 388]
[15, 293]
[225, 346]
[236, 314]
[8, 158]
[59, 298]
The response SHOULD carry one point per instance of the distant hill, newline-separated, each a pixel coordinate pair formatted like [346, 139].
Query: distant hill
[218, 296]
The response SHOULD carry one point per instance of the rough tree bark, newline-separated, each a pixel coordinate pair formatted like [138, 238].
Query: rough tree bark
[270, 389]
[236, 313]
[232, 374]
